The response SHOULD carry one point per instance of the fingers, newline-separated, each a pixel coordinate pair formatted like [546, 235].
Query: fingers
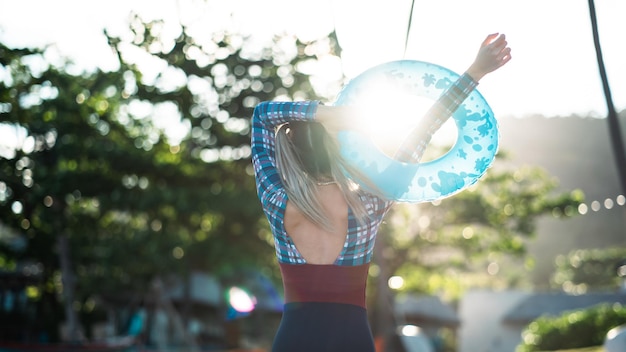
[498, 48]
[494, 52]
[489, 39]
[507, 57]
[504, 54]
[503, 57]
[499, 43]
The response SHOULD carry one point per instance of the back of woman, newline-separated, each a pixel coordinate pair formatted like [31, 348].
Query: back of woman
[324, 225]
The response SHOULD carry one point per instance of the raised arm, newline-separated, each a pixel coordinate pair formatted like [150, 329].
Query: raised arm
[266, 118]
[493, 54]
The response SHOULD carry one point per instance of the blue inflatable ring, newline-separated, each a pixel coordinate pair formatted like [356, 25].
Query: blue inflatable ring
[469, 158]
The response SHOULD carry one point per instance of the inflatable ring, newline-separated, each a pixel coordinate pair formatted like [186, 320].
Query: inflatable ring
[459, 168]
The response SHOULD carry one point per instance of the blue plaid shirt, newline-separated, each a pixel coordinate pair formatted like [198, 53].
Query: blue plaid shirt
[360, 239]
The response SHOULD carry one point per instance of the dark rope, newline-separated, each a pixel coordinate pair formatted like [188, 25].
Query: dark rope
[612, 118]
[408, 28]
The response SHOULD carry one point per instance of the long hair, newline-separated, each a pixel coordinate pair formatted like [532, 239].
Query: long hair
[305, 155]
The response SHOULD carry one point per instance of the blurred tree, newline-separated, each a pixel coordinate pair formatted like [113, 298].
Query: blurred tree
[589, 270]
[474, 239]
[68, 185]
[210, 89]
[95, 178]
[469, 236]
[50, 181]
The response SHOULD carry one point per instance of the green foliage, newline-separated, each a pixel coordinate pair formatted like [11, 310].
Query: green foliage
[476, 238]
[93, 164]
[589, 270]
[574, 329]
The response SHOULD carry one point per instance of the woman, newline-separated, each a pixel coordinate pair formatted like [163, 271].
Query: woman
[325, 225]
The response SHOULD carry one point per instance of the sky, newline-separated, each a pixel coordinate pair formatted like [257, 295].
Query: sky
[553, 72]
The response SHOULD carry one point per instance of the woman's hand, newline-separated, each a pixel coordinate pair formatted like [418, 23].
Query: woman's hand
[492, 55]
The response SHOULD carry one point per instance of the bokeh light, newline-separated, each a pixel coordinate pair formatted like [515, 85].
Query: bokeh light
[395, 282]
[410, 330]
[240, 300]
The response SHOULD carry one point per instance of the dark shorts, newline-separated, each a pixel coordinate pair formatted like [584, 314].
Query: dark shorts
[323, 327]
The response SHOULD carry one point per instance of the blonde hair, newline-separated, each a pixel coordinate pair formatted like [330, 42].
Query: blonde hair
[301, 186]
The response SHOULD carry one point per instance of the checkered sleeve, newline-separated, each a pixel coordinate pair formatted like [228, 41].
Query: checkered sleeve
[266, 118]
[414, 146]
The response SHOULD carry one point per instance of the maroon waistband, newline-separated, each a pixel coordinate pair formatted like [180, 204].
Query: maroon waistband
[324, 283]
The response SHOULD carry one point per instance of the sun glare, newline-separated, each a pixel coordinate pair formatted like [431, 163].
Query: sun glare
[390, 114]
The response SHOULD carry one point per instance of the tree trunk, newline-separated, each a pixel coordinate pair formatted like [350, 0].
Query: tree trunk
[612, 118]
[69, 283]
[384, 323]
[174, 317]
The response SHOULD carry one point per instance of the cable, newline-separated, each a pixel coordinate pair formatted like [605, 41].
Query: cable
[408, 29]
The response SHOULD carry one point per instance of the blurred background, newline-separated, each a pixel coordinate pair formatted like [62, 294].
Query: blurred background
[128, 214]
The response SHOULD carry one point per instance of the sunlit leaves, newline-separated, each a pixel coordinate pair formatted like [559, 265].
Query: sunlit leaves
[477, 237]
[145, 170]
[586, 270]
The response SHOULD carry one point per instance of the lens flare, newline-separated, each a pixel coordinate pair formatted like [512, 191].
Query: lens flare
[240, 300]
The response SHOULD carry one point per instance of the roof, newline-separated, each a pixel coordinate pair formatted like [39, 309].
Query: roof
[429, 308]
